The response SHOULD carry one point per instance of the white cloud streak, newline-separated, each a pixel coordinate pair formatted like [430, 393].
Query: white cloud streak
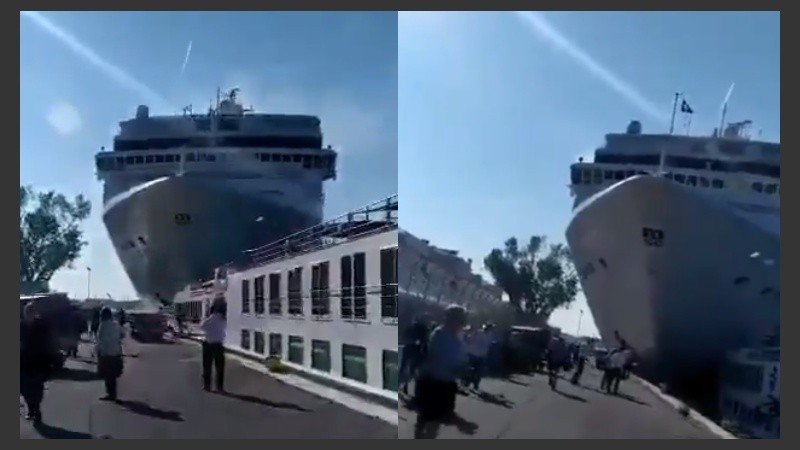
[186, 58]
[114, 72]
[537, 23]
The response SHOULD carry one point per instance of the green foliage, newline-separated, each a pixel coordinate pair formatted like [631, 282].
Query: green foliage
[535, 282]
[50, 237]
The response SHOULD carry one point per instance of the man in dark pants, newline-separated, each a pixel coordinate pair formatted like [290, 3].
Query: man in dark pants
[213, 349]
[37, 361]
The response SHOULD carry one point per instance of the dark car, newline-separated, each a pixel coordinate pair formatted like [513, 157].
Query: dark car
[527, 346]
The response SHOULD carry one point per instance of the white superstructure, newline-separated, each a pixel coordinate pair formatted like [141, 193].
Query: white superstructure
[324, 300]
[677, 242]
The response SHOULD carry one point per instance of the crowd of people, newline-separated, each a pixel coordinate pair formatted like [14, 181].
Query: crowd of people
[443, 359]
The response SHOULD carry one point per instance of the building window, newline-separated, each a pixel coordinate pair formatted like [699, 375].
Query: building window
[389, 282]
[276, 345]
[354, 362]
[359, 286]
[259, 342]
[390, 370]
[346, 283]
[275, 294]
[245, 296]
[258, 287]
[295, 291]
[320, 289]
[321, 355]
[246, 339]
[296, 349]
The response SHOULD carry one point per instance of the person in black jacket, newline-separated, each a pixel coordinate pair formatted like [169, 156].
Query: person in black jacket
[38, 359]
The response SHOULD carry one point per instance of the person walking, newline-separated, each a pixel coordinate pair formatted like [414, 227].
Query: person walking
[213, 345]
[108, 348]
[413, 352]
[478, 349]
[38, 359]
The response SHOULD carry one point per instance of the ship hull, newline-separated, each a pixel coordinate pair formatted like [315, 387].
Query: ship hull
[176, 230]
[674, 274]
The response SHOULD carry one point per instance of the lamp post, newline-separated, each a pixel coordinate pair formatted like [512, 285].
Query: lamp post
[88, 282]
[580, 318]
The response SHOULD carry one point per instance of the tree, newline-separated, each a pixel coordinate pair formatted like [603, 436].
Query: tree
[535, 283]
[50, 237]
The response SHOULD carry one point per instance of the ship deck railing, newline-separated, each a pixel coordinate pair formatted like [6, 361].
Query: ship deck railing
[375, 218]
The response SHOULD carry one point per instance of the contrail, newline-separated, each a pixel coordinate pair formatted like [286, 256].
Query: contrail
[114, 72]
[540, 25]
[186, 58]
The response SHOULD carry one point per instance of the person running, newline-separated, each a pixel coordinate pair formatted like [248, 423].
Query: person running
[478, 350]
[617, 363]
[38, 359]
[108, 348]
[437, 383]
[580, 363]
[557, 357]
[213, 345]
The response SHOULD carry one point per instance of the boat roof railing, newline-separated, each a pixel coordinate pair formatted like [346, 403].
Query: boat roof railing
[377, 217]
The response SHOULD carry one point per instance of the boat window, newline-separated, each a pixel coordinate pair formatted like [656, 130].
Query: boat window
[245, 344]
[120, 161]
[619, 175]
[680, 178]
[264, 157]
[354, 362]
[359, 286]
[294, 293]
[210, 157]
[258, 299]
[226, 124]
[770, 188]
[704, 182]
[716, 183]
[276, 345]
[202, 124]
[630, 173]
[346, 283]
[389, 282]
[159, 158]
[296, 349]
[178, 157]
[169, 158]
[148, 159]
[297, 158]
[691, 180]
[669, 176]
[306, 162]
[140, 160]
[320, 293]
[275, 294]
[190, 157]
[258, 344]
[758, 187]
[318, 164]
[608, 175]
[597, 177]
[321, 355]
[390, 370]
[286, 158]
[245, 296]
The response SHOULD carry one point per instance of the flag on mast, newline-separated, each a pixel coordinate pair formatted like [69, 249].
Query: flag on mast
[685, 108]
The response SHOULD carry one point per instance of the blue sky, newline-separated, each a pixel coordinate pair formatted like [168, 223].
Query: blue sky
[81, 73]
[494, 107]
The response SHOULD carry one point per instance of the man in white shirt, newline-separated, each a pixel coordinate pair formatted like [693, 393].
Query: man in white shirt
[213, 345]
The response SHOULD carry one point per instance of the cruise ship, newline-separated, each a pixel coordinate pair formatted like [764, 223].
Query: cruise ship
[186, 193]
[322, 301]
[677, 243]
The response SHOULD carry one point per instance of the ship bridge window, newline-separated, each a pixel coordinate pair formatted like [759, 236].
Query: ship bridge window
[271, 141]
[619, 175]
[770, 188]
[159, 158]
[286, 158]
[191, 157]
[139, 160]
[306, 161]
[294, 292]
[202, 124]
[120, 161]
[597, 176]
[758, 187]
[318, 162]
[691, 180]
[169, 158]
[680, 178]
[704, 182]
[297, 158]
[669, 176]
[586, 177]
[630, 173]
[716, 183]
[275, 307]
[228, 124]
[389, 282]
[148, 159]
[320, 289]
[264, 157]
[608, 175]
[575, 175]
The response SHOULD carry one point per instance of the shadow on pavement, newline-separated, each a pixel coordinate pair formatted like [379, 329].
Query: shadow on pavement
[71, 374]
[52, 432]
[431, 430]
[493, 399]
[144, 409]
[513, 380]
[621, 395]
[571, 396]
[265, 402]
